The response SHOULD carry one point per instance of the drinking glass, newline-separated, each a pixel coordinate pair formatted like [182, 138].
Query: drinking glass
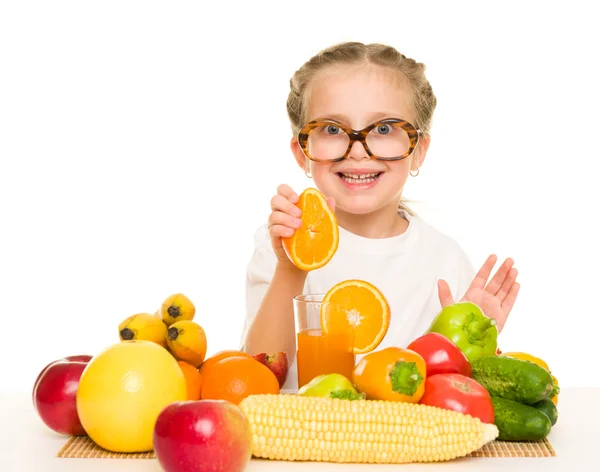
[319, 353]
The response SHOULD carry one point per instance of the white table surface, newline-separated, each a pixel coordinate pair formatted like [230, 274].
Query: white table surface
[28, 445]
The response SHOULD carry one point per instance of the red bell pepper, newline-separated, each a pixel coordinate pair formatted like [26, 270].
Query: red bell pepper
[441, 355]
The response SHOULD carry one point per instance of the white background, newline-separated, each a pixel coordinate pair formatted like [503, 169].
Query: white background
[140, 143]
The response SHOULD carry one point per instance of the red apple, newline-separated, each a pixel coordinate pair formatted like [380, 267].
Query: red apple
[202, 436]
[54, 396]
[78, 358]
[277, 363]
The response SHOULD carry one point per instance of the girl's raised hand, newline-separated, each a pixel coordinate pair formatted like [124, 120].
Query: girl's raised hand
[495, 298]
[284, 220]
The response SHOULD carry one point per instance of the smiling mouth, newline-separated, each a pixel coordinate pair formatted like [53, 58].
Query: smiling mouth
[359, 178]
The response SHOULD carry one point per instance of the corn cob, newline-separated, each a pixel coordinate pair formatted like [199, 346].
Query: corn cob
[294, 427]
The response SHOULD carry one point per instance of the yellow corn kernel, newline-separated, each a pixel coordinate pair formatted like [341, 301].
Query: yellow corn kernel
[367, 431]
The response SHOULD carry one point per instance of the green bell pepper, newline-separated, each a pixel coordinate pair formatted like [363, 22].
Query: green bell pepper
[331, 385]
[465, 325]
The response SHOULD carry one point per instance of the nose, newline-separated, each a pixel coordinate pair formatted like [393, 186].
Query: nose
[358, 152]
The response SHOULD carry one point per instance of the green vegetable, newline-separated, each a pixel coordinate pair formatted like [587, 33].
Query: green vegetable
[548, 407]
[513, 379]
[518, 422]
[466, 326]
[333, 386]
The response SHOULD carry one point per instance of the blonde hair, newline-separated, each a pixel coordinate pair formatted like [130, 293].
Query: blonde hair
[356, 53]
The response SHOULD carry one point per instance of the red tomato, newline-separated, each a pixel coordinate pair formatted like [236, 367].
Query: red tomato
[459, 393]
[441, 355]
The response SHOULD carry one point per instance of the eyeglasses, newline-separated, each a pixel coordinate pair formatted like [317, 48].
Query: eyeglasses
[390, 139]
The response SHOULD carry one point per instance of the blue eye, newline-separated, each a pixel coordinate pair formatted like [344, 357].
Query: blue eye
[331, 129]
[384, 129]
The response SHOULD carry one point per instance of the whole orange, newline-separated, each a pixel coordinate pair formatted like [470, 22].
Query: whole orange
[219, 356]
[193, 380]
[235, 378]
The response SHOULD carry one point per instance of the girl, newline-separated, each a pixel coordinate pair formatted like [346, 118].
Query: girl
[352, 86]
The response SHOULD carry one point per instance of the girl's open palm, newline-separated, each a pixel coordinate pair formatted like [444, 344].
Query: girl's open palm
[495, 298]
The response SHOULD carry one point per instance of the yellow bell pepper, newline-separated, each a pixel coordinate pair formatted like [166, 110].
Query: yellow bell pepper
[527, 357]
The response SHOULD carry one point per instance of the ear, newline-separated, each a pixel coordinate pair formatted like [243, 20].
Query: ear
[298, 154]
[421, 152]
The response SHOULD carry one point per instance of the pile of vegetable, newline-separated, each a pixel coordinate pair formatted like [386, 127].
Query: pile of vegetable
[457, 366]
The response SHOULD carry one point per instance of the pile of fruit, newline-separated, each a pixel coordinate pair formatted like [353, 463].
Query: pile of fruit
[153, 389]
[443, 396]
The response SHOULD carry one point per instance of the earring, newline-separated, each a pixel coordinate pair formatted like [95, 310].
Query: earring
[307, 169]
[414, 175]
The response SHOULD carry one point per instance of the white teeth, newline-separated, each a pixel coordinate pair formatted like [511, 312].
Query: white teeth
[361, 176]
[359, 179]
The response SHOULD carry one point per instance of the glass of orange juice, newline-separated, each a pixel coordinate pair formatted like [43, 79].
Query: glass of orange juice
[319, 353]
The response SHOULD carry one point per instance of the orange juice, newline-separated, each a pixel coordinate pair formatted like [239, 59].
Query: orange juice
[323, 354]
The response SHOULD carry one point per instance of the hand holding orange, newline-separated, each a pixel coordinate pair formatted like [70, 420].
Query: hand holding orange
[303, 229]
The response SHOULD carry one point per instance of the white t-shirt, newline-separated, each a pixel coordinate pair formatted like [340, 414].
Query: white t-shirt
[405, 268]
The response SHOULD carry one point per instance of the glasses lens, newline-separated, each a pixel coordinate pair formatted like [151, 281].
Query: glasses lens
[327, 142]
[388, 140]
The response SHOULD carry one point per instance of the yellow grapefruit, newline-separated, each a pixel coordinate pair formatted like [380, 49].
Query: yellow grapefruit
[122, 391]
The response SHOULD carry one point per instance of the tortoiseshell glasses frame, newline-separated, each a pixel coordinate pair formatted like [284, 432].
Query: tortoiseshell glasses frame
[361, 136]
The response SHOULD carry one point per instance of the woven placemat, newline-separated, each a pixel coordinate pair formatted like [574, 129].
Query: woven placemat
[84, 447]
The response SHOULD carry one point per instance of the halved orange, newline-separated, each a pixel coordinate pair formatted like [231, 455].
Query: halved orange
[313, 244]
[364, 309]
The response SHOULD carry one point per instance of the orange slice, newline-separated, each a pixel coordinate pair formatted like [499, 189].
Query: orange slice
[316, 241]
[363, 309]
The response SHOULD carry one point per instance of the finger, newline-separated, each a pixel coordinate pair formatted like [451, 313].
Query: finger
[508, 283]
[281, 203]
[283, 219]
[279, 231]
[499, 277]
[444, 293]
[482, 276]
[331, 203]
[509, 301]
[287, 192]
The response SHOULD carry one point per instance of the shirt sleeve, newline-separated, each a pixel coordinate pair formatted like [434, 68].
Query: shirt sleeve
[259, 274]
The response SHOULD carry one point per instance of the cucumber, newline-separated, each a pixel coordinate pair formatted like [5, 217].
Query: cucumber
[518, 422]
[513, 379]
[549, 408]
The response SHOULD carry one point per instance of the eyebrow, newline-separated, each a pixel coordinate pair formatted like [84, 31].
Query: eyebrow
[372, 117]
